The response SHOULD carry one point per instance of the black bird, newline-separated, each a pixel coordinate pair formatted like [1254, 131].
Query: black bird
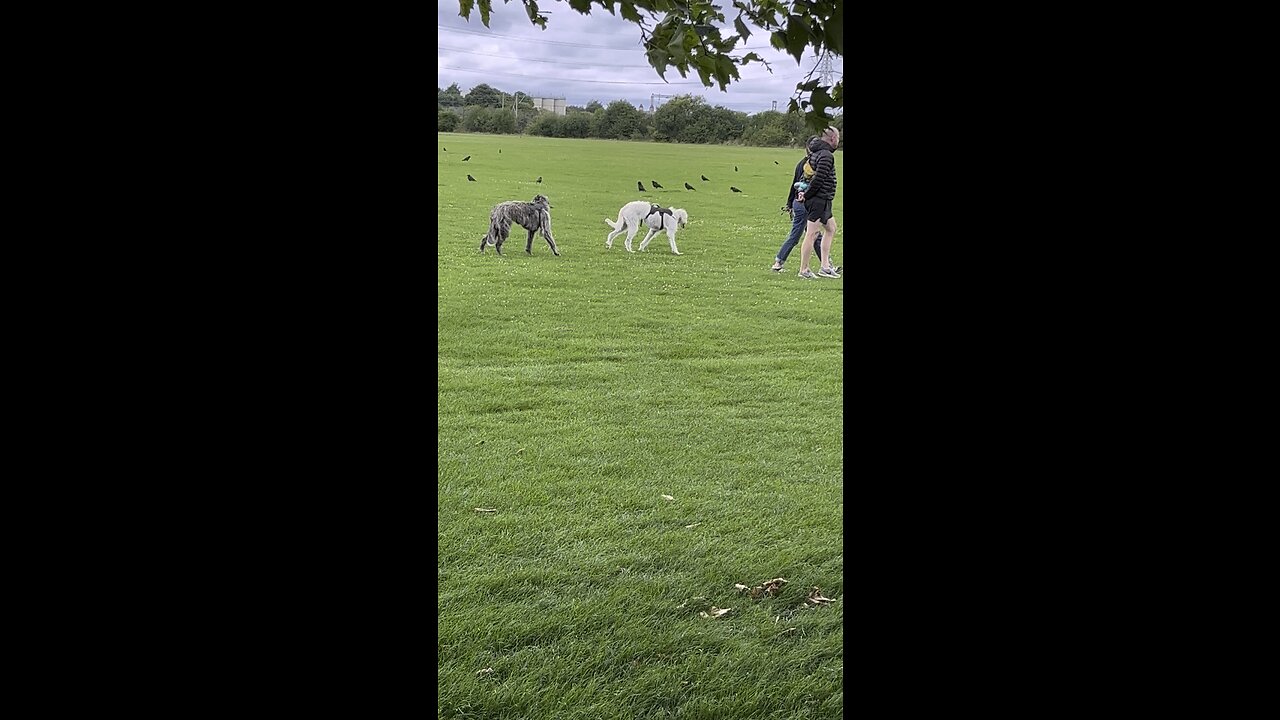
[499, 151]
[640, 186]
[705, 178]
[735, 168]
[775, 162]
[687, 186]
[539, 178]
[466, 158]
[471, 178]
[655, 183]
[734, 189]
[445, 149]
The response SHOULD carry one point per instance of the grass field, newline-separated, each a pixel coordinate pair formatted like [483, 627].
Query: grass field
[574, 392]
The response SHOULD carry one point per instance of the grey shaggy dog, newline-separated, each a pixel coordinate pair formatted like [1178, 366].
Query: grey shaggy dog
[532, 216]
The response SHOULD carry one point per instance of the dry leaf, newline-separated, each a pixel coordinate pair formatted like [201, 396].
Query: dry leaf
[667, 497]
[773, 588]
[485, 671]
[486, 510]
[690, 527]
[703, 614]
[815, 597]
[716, 612]
[740, 587]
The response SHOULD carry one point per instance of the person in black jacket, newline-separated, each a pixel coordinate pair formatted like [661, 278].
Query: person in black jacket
[799, 180]
[817, 203]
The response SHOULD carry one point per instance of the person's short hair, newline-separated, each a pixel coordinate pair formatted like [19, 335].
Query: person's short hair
[814, 143]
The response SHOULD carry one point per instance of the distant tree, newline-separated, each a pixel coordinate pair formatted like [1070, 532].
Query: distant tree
[546, 125]
[485, 96]
[447, 121]
[619, 121]
[576, 125]
[672, 120]
[775, 129]
[482, 119]
[450, 96]
[593, 106]
[684, 35]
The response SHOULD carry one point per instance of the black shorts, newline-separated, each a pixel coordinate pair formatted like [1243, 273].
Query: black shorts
[818, 210]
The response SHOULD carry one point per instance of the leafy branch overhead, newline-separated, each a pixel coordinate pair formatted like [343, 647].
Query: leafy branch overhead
[685, 35]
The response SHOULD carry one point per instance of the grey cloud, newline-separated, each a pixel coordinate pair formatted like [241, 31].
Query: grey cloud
[591, 57]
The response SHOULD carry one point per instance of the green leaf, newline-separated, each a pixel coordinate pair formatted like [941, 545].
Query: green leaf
[486, 7]
[821, 100]
[778, 40]
[807, 86]
[704, 74]
[751, 56]
[833, 33]
[582, 6]
[629, 12]
[741, 27]
[464, 8]
[797, 40]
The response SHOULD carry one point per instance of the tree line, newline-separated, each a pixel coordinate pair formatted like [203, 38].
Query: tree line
[682, 119]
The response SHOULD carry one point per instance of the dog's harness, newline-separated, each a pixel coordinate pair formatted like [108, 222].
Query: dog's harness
[661, 211]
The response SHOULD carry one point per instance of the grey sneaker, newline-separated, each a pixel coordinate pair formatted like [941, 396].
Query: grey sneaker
[828, 272]
[807, 274]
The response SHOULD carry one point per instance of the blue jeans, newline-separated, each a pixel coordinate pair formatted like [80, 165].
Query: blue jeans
[798, 214]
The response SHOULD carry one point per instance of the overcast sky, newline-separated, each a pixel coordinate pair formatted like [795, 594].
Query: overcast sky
[597, 57]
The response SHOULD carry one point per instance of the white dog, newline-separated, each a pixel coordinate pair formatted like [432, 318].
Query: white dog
[638, 212]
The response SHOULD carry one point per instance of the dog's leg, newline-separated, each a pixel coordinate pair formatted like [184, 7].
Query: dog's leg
[528, 244]
[671, 237]
[632, 229]
[645, 243]
[617, 230]
[483, 241]
[503, 230]
[545, 228]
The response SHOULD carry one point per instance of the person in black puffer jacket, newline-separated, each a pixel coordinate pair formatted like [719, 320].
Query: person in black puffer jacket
[817, 203]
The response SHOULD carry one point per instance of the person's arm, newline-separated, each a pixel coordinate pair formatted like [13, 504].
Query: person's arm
[791, 192]
[795, 178]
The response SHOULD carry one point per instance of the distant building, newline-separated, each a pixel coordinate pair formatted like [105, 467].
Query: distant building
[555, 105]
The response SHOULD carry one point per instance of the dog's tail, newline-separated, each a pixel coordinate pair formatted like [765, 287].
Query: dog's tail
[613, 224]
[495, 227]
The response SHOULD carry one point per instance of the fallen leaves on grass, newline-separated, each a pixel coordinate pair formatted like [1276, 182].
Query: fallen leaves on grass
[486, 510]
[815, 597]
[772, 588]
[486, 671]
[715, 612]
[667, 497]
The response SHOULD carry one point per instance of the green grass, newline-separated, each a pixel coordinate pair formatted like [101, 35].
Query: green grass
[574, 391]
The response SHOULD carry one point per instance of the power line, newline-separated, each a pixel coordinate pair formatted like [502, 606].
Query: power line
[569, 80]
[560, 42]
[557, 62]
